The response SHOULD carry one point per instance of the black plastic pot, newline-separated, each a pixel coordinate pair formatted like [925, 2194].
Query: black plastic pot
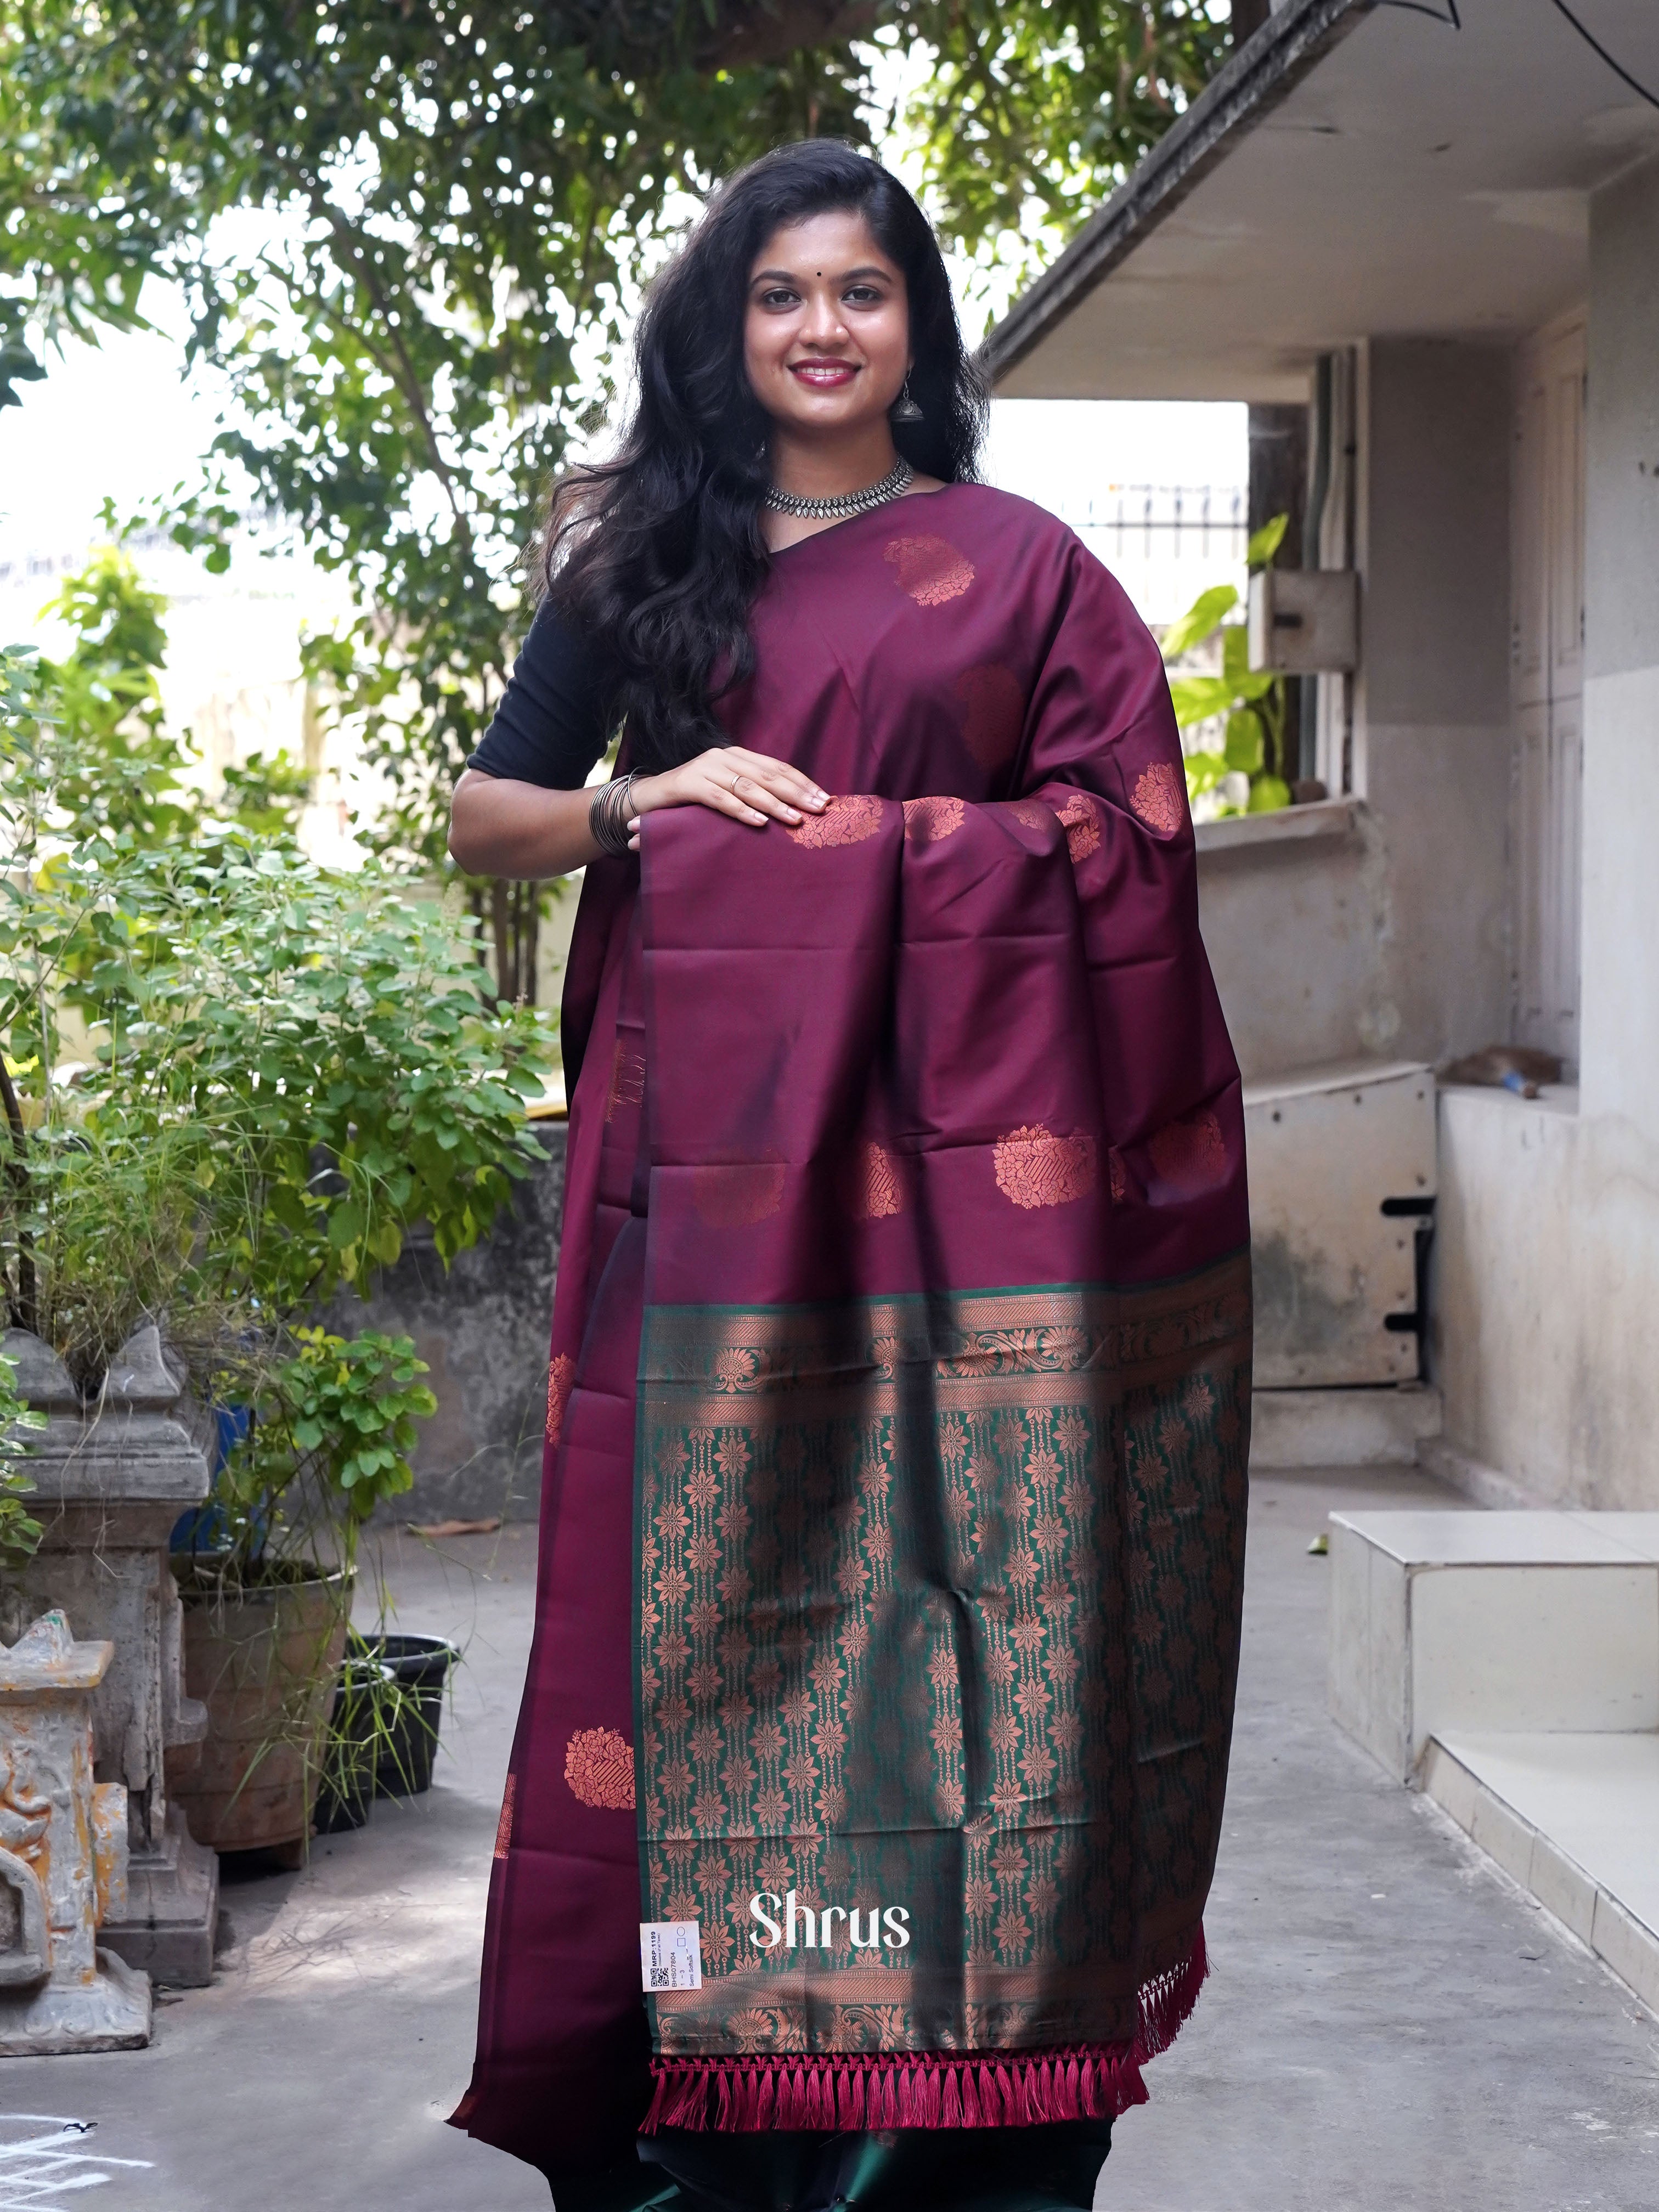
[364, 1709]
[420, 1666]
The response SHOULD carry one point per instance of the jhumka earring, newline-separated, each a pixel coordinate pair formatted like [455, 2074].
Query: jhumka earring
[904, 409]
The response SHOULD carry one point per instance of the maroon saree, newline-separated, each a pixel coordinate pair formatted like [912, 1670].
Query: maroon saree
[898, 1412]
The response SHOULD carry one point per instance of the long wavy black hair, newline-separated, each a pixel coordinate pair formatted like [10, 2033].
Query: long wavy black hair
[657, 554]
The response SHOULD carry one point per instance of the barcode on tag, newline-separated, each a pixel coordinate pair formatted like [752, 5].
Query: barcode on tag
[670, 1955]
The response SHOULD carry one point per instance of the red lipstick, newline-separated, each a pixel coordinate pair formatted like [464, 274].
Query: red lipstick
[824, 375]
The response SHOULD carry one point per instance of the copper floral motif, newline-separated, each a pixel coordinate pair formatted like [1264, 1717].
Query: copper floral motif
[1035, 1167]
[1159, 797]
[848, 820]
[1191, 1154]
[928, 821]
[930, 569]
[992, 702]
[504, 1825]
[737, 1196]
[560, 1374]
[598, 1764]
[1082, 826]
[874, 1190]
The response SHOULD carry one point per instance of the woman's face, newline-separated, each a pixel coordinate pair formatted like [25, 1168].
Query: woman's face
[827, 332]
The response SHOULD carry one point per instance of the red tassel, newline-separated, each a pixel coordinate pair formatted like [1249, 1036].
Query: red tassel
[907, 2098]
[950, 2110]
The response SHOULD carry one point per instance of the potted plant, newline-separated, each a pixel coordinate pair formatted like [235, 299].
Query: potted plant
[268, 1600]
[232, 1081]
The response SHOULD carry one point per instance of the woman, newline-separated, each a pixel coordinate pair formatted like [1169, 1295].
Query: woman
[865, 1793]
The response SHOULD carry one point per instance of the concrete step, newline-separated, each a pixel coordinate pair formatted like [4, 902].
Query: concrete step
[1476, 1623]
[1574, 1818]
[1363, 1427]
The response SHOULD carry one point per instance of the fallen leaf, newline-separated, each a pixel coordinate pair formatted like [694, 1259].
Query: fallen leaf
[456, 1528]
[1320, 1546]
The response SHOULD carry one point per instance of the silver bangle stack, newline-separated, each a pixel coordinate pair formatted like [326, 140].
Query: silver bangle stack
[609, 813]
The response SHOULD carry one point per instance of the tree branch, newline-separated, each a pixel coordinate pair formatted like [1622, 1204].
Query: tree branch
[404, 374]
[26, 1306]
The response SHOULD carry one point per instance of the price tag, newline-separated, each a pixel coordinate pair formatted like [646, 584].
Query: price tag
[670, 1955]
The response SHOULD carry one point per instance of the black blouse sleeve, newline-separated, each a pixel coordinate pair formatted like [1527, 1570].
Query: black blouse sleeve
[550, 725]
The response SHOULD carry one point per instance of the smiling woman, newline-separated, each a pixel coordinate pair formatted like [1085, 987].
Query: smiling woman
[800, 363]
[898, 1408]
[826, 353]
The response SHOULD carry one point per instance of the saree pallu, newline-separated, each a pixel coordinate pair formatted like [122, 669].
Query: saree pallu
[898, 1409]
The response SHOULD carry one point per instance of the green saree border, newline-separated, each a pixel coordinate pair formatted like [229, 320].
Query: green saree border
[1075, 1456]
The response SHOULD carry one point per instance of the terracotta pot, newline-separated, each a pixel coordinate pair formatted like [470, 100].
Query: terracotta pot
[262, 1660]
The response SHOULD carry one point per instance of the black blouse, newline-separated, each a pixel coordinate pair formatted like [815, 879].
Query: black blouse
[551, 723]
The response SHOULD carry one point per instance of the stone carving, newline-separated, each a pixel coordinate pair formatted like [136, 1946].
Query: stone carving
[112, 1477]
[63, 1856]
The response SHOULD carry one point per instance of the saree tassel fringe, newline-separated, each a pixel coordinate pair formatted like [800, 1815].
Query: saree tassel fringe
[927, 2089]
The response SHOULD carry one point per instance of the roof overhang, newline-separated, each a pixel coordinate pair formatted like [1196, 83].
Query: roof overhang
[1356, 170]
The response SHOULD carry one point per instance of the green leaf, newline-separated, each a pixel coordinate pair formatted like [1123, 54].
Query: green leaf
[345, 1224]
[1201, 619]
[1265, 542]
[1267, 795]
[1196, 698]
[1246, 743]
[1204, 772]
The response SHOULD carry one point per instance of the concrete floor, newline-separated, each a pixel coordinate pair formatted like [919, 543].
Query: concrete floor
[1389, 2024]
[314, 2075]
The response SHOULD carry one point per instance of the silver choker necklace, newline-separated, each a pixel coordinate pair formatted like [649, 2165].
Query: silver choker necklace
[897, 481]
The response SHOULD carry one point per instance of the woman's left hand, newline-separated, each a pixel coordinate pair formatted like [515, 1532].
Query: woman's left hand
[730, 780]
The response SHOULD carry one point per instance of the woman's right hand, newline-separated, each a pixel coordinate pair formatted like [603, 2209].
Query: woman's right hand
[750, 787]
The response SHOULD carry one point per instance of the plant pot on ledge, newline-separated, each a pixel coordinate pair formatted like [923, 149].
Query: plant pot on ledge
[262, 1650]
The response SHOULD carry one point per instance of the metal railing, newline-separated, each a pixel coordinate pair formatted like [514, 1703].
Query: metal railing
[1202, 522]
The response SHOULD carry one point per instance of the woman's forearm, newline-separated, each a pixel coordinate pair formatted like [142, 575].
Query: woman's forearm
[499, 828]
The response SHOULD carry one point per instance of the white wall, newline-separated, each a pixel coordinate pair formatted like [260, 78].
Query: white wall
[1621, 655]
[1293, 926]
[1432, 706]
[1547, 1258]
[1546, 1240]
